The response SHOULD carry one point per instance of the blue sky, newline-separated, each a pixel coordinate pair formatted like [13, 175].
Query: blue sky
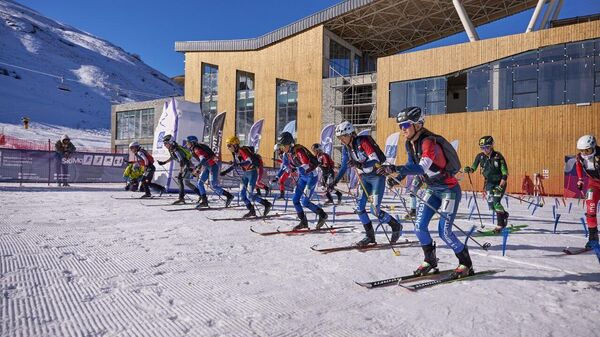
[150, 28]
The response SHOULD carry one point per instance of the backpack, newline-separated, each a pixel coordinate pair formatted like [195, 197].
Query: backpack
[453, 164]
[314, 161]
[206, 149]
[380, 155]
[254, 158]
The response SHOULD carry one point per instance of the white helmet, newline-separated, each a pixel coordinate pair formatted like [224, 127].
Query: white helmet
[586, 142]
[134, 144]
[344, 128]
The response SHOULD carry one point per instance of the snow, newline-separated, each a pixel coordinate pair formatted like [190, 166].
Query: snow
[76, 262]
[41, 132]
[96, 72]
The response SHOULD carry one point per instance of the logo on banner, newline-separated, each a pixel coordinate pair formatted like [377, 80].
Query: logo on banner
[118, 161]
[98, 160]
[390, 151]
[159, 142]
[108, 160]
[87, 159]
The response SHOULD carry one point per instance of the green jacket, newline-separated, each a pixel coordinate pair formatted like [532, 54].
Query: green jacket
[132, 173]
[493, 168]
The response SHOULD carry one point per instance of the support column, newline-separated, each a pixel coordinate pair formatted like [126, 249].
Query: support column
[535, 15]
[466, 22]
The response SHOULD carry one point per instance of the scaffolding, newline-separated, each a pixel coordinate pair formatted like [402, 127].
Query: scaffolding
[354, 99]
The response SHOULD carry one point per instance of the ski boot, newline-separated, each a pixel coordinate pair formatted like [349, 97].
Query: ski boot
[251, 212]
[502, 221]
[228, 198]
[369, 236]
[267, 206]
[592, 238]
[303, 222]
[179, 201]
[66, 185]
[322, 217]
[329, 201]
[258, 192]
[429, 264]
[281, 195]
[465, 266]
[339, 197]
[396, 229]
[203, 201]
[412, 215]
[146, 196]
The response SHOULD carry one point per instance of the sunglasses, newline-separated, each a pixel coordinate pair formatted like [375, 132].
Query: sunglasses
[587, 151]
[485, 147]
[405, 125]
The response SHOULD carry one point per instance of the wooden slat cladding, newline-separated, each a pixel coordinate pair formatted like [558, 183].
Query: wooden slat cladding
[531, 139]
[298, 58]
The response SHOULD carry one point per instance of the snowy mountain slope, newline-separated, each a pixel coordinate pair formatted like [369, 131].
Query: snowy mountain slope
[39, 133]
[95, 71]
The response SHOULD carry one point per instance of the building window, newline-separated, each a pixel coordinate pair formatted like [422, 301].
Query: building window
[135, 124]
[339, 60]
[210, 76]
[478, 89]
[551, 77]
[287, 107]
[244, 116]
[580, 72]
[428, 94]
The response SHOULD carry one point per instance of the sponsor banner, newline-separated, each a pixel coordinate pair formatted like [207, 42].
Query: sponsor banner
[254, 135]
[571, 190]
[391, 148]
[327, 138]
[44, 166]
[216, 136]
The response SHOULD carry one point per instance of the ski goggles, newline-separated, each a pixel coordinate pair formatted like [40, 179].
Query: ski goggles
[405, 125]
[587, 151]
[485, 147]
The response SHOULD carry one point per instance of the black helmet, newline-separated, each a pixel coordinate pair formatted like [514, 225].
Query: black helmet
[411, 114]
[316, 146]
[286, 138]
[168, 139]
[486, 141]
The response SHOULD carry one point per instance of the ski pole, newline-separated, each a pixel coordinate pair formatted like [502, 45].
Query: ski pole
[475, 199]
[370, 199]
[485, 246]
[541, 204]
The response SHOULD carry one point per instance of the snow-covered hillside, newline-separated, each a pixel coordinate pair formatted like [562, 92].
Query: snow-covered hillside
[39, 133]
[95, 71]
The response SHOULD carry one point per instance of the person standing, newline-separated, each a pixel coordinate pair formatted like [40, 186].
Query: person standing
[245, 158]
[182, 156]
[364, 155]
[297, 158]
[327, 173]
[208, 165]
[495, 172]
[64, 149]
[588, 164]
[435, 160]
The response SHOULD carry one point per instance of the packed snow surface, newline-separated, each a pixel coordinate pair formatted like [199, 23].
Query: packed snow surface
[78, 262]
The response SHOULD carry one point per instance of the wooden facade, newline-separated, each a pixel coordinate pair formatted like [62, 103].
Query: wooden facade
[531, 139]
[298, 58]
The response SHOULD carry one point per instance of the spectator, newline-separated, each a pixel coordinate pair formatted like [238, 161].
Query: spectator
[64, 150]
[25, 121]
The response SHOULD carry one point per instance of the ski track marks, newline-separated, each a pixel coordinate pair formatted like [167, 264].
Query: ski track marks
[84, 264]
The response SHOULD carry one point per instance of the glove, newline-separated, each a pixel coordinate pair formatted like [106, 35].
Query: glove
[392, 182]
[468, 169]
[580, 184]
[386, 170]
[498, 190]
[160, 162]
[274, 180]
[222, 173]
[354, 163]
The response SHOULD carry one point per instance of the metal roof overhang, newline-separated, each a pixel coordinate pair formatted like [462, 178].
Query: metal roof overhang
[379, 27]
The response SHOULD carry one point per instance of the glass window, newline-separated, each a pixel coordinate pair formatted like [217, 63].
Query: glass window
[597, 71]
[244, 116]
[551, 77]
[357, 65]
[428, 94]
[287, 107]
[397, 97]
[525, 80]
[580, 72]
[339, 59]
[478, 89]
[435, 96]
[135, 124]
[210, 77]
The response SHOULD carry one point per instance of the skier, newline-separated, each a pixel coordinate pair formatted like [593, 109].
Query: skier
[284, 176]
[259, 180]
[245, 158]
[588, 164]
[363, 154]
[133, 174]
[326, 164]
[183, 156]
[64, 150]
[298, 158]
[436, 161]
[146, 161]
[208, 165]
[495, 172]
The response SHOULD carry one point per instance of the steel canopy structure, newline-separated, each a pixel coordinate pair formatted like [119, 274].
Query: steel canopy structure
[379, 27]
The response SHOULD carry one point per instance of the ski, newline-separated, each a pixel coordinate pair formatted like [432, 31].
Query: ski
[405, 278]
[576, 250]
[199, 209]
[301, 231]
[134, 198]
[250, 218]
[405, 243]
[512, 229]
[448, 279]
